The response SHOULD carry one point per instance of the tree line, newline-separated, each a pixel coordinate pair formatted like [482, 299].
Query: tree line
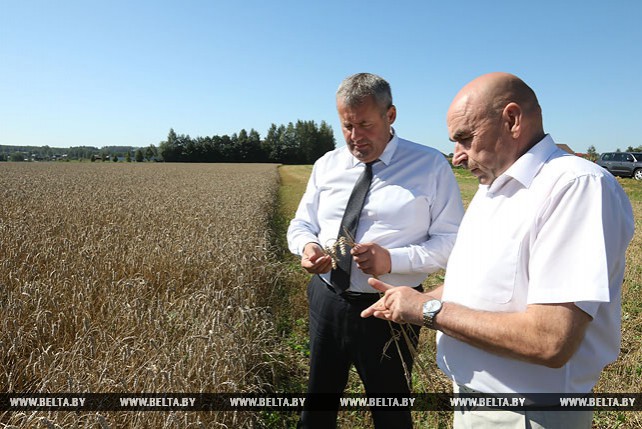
[47, 153]
[302, 142]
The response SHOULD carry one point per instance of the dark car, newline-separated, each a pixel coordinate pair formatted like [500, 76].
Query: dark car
[627, 164]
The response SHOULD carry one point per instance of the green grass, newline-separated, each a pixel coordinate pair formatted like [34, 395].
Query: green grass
[290, 309]
[632, 187]
[468, 184]
[625, 375]
[294, 179]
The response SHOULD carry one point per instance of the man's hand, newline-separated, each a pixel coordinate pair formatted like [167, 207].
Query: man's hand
[400, 304]
[371, 258]
[315, 260]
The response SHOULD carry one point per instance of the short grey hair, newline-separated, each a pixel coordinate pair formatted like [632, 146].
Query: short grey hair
[356, 88]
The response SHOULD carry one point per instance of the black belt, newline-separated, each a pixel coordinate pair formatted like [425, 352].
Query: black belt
[361, 297]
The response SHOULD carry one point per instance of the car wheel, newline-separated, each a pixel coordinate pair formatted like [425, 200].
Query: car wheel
[637, 174]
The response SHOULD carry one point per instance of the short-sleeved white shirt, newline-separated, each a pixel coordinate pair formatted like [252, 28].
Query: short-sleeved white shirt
[553, 228]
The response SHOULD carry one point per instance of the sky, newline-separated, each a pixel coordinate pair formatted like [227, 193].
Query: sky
[123, 72]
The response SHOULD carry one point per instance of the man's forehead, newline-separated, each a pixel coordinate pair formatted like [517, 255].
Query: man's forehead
[462, 102]
[360, 112]
[457, 115]
[464, 108]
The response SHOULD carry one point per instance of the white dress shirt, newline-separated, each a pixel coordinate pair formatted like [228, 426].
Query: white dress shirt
[553, 228]
[413, 209]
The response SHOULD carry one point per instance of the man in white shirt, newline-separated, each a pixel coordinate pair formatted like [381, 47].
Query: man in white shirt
[532, 296]
[406, 229]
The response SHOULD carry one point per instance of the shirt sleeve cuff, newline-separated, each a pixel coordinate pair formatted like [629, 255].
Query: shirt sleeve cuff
[399, 261]
[305, 242]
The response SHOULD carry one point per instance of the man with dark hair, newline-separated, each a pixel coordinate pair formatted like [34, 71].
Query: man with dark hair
[398, 205]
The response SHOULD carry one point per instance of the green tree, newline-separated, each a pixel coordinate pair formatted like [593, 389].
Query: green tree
[248, 146]
[190, 151]
[171, 150]
[241, 148]
[209, 149]
[271, 144]
[591, 153]
[255, 151]
[326, 141]
[226, 145]
[289, 145]
[17, 157]
[138, 156]
[151, 153]
[306, 139]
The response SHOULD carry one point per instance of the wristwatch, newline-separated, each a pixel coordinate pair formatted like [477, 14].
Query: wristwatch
[430, 310]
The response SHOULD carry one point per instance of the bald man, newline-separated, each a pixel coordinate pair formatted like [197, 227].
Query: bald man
[531, 299]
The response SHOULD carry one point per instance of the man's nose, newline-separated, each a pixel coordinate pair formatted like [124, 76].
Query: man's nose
[459, 157]
[355, 134]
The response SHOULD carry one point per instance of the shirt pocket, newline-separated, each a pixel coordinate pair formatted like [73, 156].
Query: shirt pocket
[495, 265]
[398, 208]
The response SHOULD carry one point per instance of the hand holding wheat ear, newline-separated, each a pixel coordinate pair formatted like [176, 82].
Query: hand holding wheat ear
[315, 260]
[339, 247]
[371, 258]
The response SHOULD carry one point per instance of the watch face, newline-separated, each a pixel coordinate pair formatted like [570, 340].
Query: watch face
[432, 305]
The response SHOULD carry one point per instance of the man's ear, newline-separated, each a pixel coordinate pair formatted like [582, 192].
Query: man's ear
[512, 117]
[391, 114]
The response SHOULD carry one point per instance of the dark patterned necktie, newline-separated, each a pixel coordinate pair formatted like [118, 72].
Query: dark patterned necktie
[340, 276]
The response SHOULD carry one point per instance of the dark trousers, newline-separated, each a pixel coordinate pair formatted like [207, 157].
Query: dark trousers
[339, 337]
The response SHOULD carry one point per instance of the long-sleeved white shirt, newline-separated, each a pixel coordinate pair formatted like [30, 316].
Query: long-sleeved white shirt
[413, 209]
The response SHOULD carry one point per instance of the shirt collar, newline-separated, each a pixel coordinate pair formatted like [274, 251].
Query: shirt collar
[385, 157]
[527, 166]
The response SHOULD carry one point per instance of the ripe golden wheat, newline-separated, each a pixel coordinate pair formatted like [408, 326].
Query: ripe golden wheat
[136, 278]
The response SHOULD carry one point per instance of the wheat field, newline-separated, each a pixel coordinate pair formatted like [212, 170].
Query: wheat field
[174, 278]
[136, 278]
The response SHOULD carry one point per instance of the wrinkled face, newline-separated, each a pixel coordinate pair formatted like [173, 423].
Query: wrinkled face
[366, 129]
[479, 144]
